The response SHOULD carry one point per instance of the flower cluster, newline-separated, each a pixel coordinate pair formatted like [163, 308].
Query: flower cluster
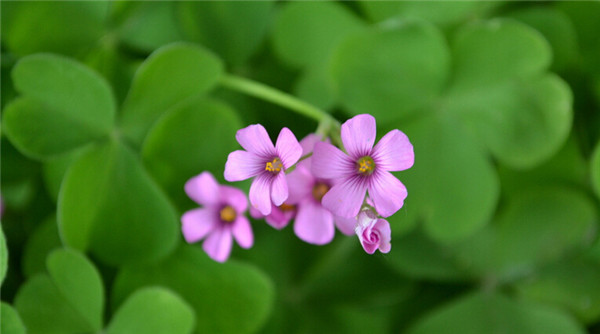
[313, 182]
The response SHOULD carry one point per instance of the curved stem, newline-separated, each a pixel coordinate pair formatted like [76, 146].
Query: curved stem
[275, 96]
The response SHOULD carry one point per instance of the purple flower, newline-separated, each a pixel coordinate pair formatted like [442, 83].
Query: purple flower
[221, 217]
[313, 224]
[364, 168]
[265, 162]
[373, 232]
[279, 217]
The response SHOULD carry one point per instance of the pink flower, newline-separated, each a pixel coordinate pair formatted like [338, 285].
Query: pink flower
[265, 162]
[373, 233]
[279, 217]
[221, 217]
[364, 168]
[314, 223]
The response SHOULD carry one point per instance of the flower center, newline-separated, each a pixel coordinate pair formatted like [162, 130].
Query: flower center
[287, 207]
[374, 237]
[274, 166]
[365, 165]
[319, 190]
[227, 214]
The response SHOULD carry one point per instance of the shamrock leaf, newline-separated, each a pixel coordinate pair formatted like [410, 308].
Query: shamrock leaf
[107, 190]
[69, 299]
[226, 297]
[495, 313]
[63, 105]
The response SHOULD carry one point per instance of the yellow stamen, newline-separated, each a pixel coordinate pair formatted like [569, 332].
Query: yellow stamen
[319, 190]
[287, 207]
[275, 166]
[365, 165]
[228, 214]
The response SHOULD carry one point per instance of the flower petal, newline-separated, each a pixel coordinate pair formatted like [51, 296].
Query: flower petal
[369, 247]
[279, 189]
[368, 238]
[387, 193]
[218, 244]
[329, 162]
[260, 193]
[394, 152]
[385, 235]
[288, 148]
[300, 182]
[235, 198]
[255, 139]
[345, 225]
[242, 232]
[279, 218]
[254, 213]
[242, 165]
[203, 189]
[358, 135]
[345, 198]
[197, 223]
[314, 224]
[308, 143]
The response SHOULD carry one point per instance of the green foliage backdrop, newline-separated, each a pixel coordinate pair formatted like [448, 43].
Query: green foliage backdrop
[108, 108]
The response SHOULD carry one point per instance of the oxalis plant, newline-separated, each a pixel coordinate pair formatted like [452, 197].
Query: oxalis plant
[142, 140]
[315, 183]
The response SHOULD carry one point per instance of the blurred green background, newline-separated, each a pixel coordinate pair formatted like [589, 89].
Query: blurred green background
[109, 107]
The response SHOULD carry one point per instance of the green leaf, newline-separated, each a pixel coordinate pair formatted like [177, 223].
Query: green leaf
[568, 167]
[595, 170]
[316, 86]
[41, 242]
[153, 311]
[417, 256]
[69, 28]
[540, 224]
[79, 282]
[523, 123]
[452, 186]
[557, 28]
[63, 105]
[228, 298]
[149, 25]
[522, 115]
[301, 44]
[339, 319]
[11, 322]
[54, 170]
[107, 191]
[171, 75]
[107, 59]
[234, 30]
[311, 46]
[3, 256]
[494, 313]
[438, 12]
[391, 72]
[191, 138]
[68, 300]
[497, 50]
[571, 283]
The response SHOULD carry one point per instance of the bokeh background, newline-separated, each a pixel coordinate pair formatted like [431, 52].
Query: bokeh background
[109, 107]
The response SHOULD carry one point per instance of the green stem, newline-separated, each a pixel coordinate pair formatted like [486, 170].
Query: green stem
[275, 96]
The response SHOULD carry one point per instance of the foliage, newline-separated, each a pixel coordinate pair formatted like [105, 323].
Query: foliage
[108, 108]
